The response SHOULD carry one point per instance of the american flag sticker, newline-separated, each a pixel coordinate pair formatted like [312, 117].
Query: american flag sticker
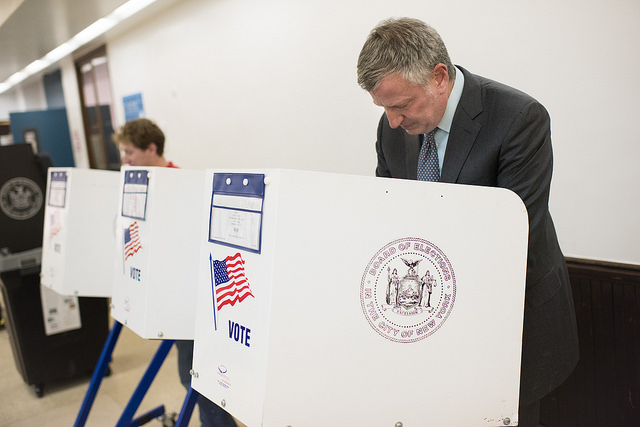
[229, 283]
[131, 240]
[56, 223]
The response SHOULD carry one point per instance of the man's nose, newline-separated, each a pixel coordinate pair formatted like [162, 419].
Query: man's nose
[395, 119]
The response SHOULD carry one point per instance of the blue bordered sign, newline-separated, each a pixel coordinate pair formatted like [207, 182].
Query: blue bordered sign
[133, 108]
[134, 194]
[237, 203]
[57, 189]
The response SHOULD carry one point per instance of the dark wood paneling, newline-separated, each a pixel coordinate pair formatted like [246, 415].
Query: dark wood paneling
[604, 389]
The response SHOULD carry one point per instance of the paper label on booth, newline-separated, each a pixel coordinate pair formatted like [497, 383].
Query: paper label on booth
[236, 210]
[61, 312]
[134, 194]
[57, 189]
[408, 290]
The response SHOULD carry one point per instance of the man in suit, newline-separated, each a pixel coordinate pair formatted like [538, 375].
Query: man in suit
[443, 123]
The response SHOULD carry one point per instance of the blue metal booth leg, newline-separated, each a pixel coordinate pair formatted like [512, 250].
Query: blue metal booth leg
[145, 418]
[187, 408]
[98, 374]
[145, 383]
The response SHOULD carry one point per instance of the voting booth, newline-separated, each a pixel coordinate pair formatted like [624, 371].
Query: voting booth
[22, 186]
[329, 299]
[53, 338]
[156, 267]
[79, 239]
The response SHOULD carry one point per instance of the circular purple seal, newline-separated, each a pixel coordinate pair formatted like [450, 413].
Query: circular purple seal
[408, 290]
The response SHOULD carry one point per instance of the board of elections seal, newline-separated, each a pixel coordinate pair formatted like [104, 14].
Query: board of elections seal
[408, 290]
[20, 198]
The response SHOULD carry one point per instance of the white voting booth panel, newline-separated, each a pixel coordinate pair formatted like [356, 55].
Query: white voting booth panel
[156, 268]
[79, 239]
[330, 299]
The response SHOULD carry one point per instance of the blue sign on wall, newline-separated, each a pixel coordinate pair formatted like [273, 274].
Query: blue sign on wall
[133, 108]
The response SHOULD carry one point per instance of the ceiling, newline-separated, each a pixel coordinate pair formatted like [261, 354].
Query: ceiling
[32, 28]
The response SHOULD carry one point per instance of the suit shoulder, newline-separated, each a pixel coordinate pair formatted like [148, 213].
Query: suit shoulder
[495, 101]
[495, 91]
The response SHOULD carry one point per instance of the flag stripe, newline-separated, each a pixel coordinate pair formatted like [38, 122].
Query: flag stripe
[132, 240]
[235, 300]
[235, 289]
[233, 297]
[229, 298]
[230, 292]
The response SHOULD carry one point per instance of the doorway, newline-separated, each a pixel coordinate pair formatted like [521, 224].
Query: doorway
[97, 109]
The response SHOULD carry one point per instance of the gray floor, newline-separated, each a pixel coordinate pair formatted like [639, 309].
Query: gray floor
[19, 406]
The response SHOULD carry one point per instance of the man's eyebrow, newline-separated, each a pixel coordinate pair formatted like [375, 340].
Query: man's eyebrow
[398, 104]
[401, 104]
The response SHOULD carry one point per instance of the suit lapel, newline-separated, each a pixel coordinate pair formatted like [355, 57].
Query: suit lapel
[464, 129]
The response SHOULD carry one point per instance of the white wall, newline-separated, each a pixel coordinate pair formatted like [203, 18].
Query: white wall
[255, 83]
[8, 103]
[28, 96]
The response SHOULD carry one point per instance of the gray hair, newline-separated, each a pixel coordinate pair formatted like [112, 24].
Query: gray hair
[403, 46]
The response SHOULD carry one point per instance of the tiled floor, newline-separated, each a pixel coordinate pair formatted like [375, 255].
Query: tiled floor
[19, 406]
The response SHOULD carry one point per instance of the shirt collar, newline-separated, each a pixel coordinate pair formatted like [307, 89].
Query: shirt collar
[452, 103]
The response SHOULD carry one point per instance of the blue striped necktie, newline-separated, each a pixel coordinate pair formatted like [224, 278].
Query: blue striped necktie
[428, 166]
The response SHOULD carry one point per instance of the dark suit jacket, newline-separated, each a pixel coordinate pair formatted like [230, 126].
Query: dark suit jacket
[501, 137]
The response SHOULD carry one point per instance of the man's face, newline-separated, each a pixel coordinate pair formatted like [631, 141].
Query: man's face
[134, 156]
[417, 109]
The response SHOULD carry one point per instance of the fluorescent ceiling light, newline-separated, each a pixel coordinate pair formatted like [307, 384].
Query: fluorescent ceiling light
[130, 8]
[16, 78]
[93, 31]
[61, 51]
[36, 66]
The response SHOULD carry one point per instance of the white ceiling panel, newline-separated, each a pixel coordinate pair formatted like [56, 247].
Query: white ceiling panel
[38, 26]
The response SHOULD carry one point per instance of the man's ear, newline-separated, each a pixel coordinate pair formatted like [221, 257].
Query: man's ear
[152, 148]
[441, 76]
